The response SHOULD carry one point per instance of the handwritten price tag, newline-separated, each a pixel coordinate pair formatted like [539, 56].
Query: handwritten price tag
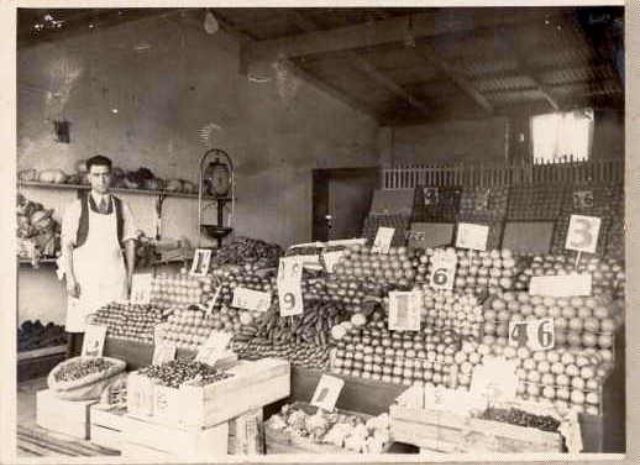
[534, 334]
[472, 236]
[404, 311]
[443, 265]
[201, 261]
[327, 392]
[93, 343]
[163, 353]
[383, 240]
[290, 286]
[561, 286]
[495, 379]
[249, 299]
[583, 232]
[141, 288]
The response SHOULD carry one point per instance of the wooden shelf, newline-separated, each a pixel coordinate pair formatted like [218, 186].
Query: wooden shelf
[44, 185]
[44, 352]
[41, 261]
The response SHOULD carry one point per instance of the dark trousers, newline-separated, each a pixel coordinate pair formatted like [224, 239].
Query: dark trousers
[74, 344]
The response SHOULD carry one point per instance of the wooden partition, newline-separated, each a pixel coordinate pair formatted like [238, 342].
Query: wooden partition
[606, 171]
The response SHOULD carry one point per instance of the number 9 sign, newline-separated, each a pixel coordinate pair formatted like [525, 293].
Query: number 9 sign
[582, 235]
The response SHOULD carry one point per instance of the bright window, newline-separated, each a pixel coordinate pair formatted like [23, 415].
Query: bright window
[559, 137]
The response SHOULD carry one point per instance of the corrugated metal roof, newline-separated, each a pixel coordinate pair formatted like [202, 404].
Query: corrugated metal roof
[577, 74]
[503, 83]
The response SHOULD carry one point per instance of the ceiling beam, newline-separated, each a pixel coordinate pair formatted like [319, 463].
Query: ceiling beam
[393, 30]
[308, 25]
[427, 53]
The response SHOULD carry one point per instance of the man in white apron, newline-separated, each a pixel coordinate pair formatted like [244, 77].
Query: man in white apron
[95, 228]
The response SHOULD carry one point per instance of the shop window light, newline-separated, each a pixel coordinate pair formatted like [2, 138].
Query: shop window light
[562, 137]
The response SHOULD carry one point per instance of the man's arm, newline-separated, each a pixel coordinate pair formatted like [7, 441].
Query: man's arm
[70, 222]
[129, 238]
[130, 248]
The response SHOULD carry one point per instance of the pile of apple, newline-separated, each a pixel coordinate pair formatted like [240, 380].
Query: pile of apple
[451, 309]
[481, 271]
[565, 377]
[170, 290]
[133, 322]
[580, 322]
[188, 328]
[608, 274]
[395, 357]
[361, 263]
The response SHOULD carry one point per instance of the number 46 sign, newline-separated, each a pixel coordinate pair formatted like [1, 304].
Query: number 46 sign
[534, 334]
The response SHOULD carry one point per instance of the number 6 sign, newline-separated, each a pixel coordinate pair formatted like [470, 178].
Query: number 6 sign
[582, 235]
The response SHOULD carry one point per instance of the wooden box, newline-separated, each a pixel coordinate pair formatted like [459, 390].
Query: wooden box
[63, 416]
[253, 385]
[452, 433]
[141, 438]
[246, 434]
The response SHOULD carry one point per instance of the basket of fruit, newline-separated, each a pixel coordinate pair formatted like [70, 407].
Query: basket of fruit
[83, 378]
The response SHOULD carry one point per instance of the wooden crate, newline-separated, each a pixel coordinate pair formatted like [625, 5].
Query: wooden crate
[253, 385]
[246, 434]
[145, 439]
[63, 416]
[449, 432]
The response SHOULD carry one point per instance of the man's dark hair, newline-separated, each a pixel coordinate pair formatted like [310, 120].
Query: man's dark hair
[98, 160]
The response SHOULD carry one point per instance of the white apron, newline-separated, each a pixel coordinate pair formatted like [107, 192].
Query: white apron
[99, 268]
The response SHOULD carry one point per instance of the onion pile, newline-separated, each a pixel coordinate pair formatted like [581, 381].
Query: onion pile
[580, 322]
[133, 322]
[451, 309]
[179, 290]
[396, 357]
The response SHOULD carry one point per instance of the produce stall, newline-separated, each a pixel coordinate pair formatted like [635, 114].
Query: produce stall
[430, 279]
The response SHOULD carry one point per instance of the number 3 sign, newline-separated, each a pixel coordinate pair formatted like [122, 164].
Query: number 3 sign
[583, 233]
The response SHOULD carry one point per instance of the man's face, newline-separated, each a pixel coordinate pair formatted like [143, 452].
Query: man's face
[100, 178]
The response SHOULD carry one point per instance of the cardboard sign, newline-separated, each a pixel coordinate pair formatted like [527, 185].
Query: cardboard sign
[472, 236]
[561, 286]
[495, 379]
[404, 311]
[383, 240]
[290, 286]
[214, 348]
[331, 259]
[327, 392]
[159, 332]
[201, 261]
[141, 288]
[534, 334]
[93, 343]
[163, 353]
[583, 232]
[443, 269]
[249, 299]
[583, 199]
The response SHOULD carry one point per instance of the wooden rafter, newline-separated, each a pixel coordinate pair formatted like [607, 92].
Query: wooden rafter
[427, 53]
[392, 30]
[365, 66]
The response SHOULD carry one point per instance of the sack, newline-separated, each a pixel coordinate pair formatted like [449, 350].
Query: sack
[88, 387]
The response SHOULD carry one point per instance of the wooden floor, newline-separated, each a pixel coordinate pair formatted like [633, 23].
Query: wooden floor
[34, 441]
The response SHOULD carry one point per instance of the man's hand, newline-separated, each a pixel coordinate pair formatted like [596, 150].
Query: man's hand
[73, 288]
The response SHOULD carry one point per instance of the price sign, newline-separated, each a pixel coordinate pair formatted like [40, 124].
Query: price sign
[201, 261]
[583, 199]
[583, 232]
[472, 236]
[159, 332]
[290, 286]
[163, 353]
[495, 379]
[383, 239]
[331, 259]
[561, 286]
[249, 299]
[214, 347]
[534, 334]
[443, 265]
[327, 392]
[348, 242]
[404, 311]
[141, 288]
[430, 195]
[93, 343]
